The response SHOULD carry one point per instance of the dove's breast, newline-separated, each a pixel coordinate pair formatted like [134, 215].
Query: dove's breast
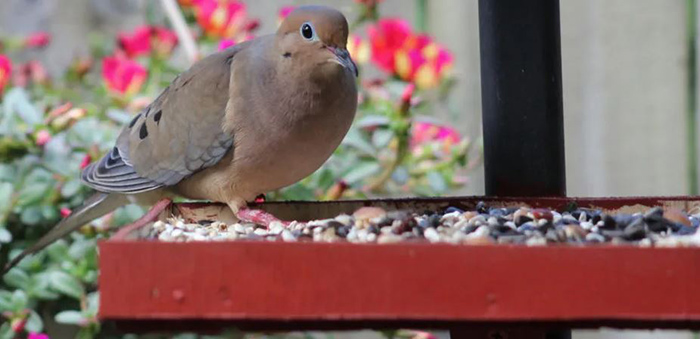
[281, 135]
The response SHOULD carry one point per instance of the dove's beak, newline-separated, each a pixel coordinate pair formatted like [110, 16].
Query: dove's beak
[343, 58]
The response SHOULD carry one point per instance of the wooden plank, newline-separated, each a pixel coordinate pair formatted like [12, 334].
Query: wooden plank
[317, 281]
[276, 285]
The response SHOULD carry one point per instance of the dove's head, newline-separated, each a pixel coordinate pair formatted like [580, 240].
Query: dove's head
[316, 36]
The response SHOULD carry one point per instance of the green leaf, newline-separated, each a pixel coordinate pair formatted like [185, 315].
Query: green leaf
[41, 287]
[325, 178]
[80, 248]
[58, 251]
[31, 215]
[5, 235]
[126, 214]
[372, 121]
[6, 331]
[436, 181]
[356, 140]
[49, 212]
[6, 190]
[120, 116]
[17, 100]
[70, 318]
[34, 323]
[33, 192]
[16, 278]
[7, 172]
[67, 284]
[382, 137]
[31, 262]
[400, 175]
[361, 171]
[5, 301]
[19, 301]
[93, 302]
[70, 188]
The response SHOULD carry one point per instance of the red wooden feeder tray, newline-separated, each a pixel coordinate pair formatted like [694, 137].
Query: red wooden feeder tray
[275, 286]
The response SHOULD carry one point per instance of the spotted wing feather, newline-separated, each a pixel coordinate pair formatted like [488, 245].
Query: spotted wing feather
[177, 135]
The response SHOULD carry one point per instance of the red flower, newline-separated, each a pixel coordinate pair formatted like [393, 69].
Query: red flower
[386, 37]
[144, 39]
[412, 57]
[221, 18]
[65, 212]
[33, 335]
[123, 76]
[37, 40]
[86, 161]
[5, 71]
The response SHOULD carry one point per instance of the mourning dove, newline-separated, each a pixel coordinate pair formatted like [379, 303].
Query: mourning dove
[258, 116]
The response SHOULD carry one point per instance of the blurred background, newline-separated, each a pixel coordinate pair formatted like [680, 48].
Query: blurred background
[630, 107]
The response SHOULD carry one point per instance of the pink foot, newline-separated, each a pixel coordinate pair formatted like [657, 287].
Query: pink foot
[150, 216]
[259, 217]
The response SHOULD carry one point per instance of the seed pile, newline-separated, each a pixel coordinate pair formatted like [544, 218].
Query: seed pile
[483, 225]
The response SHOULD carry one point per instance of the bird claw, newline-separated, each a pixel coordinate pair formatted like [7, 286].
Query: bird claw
[259, 217]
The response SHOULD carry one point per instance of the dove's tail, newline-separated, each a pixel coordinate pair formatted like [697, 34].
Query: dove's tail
[94, 207]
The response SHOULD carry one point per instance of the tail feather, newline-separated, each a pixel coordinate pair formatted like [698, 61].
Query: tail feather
[94, 207]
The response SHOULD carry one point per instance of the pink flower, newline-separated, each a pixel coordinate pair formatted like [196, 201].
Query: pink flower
[425, 65]
[136, 43]
[225, 43]
[65, 212]
[58, 111]
[225, 19]
[37, 40]
[143, 39]
[42, 137]
[32, 70]
[163, 41]
[5, 71]
[426, 132]
[123, 76]
[407, 94]
[283, 13]
[38, 336]
[86, 161]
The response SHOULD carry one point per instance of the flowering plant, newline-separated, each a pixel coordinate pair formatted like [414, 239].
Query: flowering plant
[50, 129]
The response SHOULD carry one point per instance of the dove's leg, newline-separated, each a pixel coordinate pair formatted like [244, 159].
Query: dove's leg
[258, 217]
[151, 215]
[255, 216]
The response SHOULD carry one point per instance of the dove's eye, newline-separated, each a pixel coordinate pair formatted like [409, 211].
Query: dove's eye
[307, 31]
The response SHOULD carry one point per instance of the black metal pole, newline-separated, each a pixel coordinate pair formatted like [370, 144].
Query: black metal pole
[521, 94]
[522, 97]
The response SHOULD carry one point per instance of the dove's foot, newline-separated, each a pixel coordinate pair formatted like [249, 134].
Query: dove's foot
[258, 217]
[150, 216]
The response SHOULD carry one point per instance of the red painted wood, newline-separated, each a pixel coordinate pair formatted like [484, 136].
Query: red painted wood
[399, 282]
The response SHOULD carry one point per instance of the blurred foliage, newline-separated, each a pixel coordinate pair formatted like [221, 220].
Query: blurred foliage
[52, 128]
